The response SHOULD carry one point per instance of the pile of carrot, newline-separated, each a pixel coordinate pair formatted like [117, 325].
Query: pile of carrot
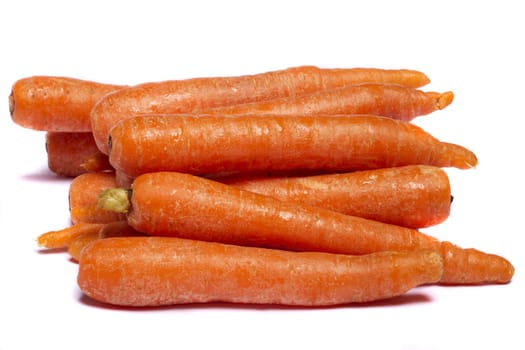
[305, 186]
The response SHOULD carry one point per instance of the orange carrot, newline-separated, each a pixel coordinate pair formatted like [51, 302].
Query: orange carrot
[154, 271]
[253, 144]
[62, 238]
[111, 229]
[83, 196]
[187, 206]
[389, 100]
[77, 244]
[73, 153]
[413, 196]
[200, 94]
[50, 103]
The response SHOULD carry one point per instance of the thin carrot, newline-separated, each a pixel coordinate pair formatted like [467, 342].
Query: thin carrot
[83, 196]
[258, 144]
[73, 153]
[155, 271]
[389, 100]
[187, 206]
[77, 244]
[62, 238]
[413, 196]
[200, 94]
[111, 229]
[51, 103]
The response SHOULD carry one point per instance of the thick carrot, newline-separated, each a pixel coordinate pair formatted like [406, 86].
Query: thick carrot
[111, 229]
[200, 94]
[83, 197]
[154, 271]
[73, 153]
[51, 103]
[389, 100]
[413, 196]
[259, 144]
[62, 238]
[187, 206]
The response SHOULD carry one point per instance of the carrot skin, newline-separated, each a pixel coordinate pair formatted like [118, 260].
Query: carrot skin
[414, 196]
[83, 198]
[59, 104]
[200, 94]
[71, 154]
[389, 100]
[205, 144]
[186, 206]
[154, 271]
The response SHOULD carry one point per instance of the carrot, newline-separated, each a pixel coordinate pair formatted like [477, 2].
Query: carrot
[83, 196]
[413, 196]
[51, 103]
[258, 144]
[187, 206]
[155, 271]
[111, 229]
[389, 100]
[62, 238]
[73, 153]
[77, 244]
[200, 94]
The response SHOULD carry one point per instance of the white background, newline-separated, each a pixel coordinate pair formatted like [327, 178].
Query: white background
[474, 49]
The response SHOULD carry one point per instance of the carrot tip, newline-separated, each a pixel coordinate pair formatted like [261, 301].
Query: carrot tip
[444, 100]
[115, 199]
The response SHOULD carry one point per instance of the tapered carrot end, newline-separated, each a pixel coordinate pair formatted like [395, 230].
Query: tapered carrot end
[444, 100]
[458, 156]
[472, 267]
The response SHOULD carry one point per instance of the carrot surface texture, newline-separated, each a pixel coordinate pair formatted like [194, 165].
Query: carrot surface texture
[204, 145]
[187, 206]
[413, 196]
[154, 271]
[71, 154]
[83, 198]
[200, 94]
[50, 103]
[389, 100]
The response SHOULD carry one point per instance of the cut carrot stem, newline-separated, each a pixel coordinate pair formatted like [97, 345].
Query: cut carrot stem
[204, 144]
[389, 100]
[413, 196]
[62, 238]
[200, 94]
[83, 198]
[59, 104]
[154, 271]
[186, 206]
[73, 153]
